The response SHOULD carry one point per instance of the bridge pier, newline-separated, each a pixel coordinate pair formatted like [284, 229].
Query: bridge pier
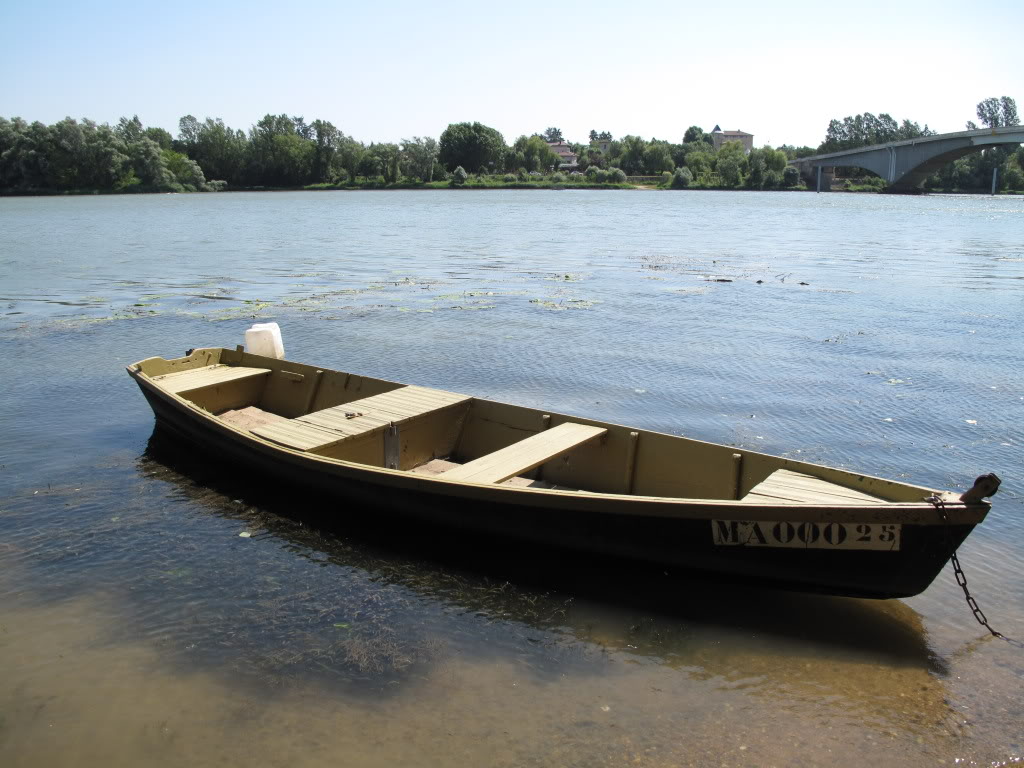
[821, 178]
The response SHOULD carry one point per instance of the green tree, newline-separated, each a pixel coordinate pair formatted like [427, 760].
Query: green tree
[631, 159]
[389, 156]
[221, 152]
[729, 171]
[370, 165]
[552, 134]
[347, 158]
[591, 157]
[998, 112]
[129, 131]
[775, 159]
[186, 171]
[418, 157]
[150, 167]
[536, 154]
[793, 153]
[105, 158]
[471, 145]
[280, 155]
[658, 157]
[867, 129]
[693, 133]
[326, 140]
[62, 154]
[757, 167]
[188, 131]
[163, 138]
[1009, 111]
[700, 162]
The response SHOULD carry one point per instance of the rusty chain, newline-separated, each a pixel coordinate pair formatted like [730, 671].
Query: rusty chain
[961, 578]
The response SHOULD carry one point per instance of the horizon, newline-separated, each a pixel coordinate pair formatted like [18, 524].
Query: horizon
[451, 64]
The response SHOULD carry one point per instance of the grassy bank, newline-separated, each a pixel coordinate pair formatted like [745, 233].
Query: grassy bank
[472, 184]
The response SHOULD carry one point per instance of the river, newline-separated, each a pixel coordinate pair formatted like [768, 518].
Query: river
[878, 333]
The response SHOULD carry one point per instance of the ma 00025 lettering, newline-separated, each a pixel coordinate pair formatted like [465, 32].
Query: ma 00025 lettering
[768, 533]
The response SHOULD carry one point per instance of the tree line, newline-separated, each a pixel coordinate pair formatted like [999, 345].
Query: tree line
[282, 151]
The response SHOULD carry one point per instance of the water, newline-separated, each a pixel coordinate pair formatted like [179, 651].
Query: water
[136, 626]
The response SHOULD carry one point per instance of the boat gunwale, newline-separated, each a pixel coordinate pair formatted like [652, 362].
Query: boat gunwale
[923, 512]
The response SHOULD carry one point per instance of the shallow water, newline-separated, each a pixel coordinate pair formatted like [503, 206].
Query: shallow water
[136, 625]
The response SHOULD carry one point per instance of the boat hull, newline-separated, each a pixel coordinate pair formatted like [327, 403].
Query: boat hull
[626, 530]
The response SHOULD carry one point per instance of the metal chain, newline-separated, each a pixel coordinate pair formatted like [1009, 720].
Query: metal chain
[961, 578]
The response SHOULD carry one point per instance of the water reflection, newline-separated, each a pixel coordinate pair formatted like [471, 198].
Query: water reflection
[404, 602]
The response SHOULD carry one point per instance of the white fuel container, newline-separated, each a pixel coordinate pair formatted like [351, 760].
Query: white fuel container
[265, 339]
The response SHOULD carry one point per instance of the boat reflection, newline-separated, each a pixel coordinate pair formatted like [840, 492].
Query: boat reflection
[408, 599]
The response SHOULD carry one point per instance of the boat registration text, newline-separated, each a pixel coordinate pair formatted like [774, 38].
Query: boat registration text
[767, 533]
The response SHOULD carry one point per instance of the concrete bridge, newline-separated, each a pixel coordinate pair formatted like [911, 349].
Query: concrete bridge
[906, 164]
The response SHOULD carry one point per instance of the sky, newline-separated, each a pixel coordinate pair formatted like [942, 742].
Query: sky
[384, 72]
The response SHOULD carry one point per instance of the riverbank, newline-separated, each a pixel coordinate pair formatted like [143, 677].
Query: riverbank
[858, 186]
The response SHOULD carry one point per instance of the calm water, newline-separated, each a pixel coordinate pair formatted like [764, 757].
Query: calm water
[136, 626]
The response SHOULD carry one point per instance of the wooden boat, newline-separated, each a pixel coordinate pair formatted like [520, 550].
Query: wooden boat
[517, 474]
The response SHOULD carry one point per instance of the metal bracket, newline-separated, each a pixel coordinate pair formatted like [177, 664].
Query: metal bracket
[392, 447]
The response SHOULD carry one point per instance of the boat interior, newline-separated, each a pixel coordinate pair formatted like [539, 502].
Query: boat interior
[456, 437]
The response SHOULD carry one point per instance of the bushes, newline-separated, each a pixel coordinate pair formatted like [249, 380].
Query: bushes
[616, 176]
[772, 180]
[459, 176]
[1013, 179]
[867, 184]
[790, 176]
[682, 178]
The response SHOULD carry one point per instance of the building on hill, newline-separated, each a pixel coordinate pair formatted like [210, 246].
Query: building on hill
[719, 137]
[567, 158]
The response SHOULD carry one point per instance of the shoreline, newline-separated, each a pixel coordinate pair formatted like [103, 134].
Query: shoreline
[518, 186]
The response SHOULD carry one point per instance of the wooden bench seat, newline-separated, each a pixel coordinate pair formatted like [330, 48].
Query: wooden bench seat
[179, 382]
[325, 428]
[397, 406]
[784, 485]
[525, 455]
[295, 434]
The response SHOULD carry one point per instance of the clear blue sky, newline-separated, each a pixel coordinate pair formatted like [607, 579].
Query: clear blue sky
[385, 71]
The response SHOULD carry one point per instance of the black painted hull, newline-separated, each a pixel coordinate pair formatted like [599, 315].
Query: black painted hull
[507, 517]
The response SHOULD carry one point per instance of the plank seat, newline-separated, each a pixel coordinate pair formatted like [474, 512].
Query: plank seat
[179, 382]
[397, 406]
[327, 427]
[295, 434]
[525, 455]
[786, 486]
